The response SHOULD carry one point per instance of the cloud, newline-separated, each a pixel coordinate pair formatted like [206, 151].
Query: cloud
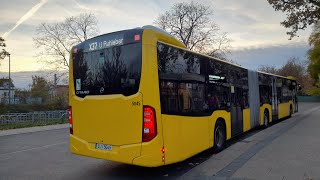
[81, 6]
[277, 55]
[253, 26]
[25, 17]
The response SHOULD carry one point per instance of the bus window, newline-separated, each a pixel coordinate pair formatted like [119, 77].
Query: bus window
[218, 88]
[184, 71]
[114, 70]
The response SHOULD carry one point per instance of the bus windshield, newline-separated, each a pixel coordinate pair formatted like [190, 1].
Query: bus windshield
[107, 70]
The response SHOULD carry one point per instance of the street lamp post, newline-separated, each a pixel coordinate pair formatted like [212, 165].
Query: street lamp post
[9, 80]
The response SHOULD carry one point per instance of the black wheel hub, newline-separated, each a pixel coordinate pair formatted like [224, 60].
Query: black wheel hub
[218, 136]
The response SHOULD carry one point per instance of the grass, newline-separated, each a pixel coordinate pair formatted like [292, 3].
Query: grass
[31, 124]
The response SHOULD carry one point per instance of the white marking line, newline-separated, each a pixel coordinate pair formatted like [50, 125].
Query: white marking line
[41, 147]
[310, 110]
[5, 158]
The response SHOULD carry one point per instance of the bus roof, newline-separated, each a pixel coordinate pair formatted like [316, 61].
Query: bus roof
[156, 29]
[139, 28]
[210, 57]
[289, 77]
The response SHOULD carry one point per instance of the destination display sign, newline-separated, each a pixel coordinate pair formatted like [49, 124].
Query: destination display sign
[110, 40]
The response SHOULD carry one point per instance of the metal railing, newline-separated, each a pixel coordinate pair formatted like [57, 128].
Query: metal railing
[45, 116]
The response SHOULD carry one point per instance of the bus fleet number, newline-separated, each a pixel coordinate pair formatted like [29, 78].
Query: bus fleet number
[135, 103]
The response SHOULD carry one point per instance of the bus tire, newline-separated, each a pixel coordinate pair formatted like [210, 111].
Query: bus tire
[266, 119]
[219, 136]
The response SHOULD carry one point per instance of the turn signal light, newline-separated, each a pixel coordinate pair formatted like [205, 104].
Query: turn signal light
[70, 120]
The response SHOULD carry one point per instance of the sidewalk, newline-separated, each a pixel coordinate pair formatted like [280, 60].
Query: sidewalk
[286, 150]
[32, 129]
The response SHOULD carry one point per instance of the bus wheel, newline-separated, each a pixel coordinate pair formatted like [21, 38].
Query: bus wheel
[266, 119]
[219, 136]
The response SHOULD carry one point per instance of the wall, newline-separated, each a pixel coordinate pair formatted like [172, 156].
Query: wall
[308, 98]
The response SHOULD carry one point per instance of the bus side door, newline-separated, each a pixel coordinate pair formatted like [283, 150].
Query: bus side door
[236, 111]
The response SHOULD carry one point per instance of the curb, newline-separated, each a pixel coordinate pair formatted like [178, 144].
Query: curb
[32, 129]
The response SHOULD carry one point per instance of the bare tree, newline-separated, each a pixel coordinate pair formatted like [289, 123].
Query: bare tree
[293, 67]
[55, 40]
[3, 52]
[192, 24]
[268, 69]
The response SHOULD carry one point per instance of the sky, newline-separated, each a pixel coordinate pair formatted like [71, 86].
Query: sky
[252, 25]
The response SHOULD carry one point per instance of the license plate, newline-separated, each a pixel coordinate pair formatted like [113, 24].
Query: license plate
[104, 147]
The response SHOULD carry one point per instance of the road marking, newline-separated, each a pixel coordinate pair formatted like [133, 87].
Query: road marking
[5, 158]
[41, 147]
[237, 163]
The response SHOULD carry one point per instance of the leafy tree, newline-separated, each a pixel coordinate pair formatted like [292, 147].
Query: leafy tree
[300, 13]
[315, 91]
[192, 24]
[55, 40]
[60, 102]
[40, 88]
[314, 53]
[22, 95]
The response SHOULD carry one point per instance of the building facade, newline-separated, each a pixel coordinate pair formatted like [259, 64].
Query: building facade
[7, 92]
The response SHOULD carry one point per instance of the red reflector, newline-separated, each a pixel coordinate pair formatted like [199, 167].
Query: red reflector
[137, 37]
[70, 120]
[149, 124]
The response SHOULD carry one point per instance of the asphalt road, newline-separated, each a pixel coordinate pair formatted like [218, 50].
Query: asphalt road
[287, 150]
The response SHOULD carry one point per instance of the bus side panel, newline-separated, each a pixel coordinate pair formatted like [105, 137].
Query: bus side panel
[212, 121]
[284, 110]
[149, 86]
[167, 130]
[246, 120]
[262, 108]
[151, 155]
[184, 136]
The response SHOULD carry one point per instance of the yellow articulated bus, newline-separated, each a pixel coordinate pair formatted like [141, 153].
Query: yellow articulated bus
[140, 97]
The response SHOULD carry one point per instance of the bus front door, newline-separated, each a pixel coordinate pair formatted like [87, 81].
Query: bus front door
[236, 111]
[274, 100]
[295, 99]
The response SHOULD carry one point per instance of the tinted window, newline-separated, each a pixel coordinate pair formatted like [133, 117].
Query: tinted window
[284, 93]
[265, 88]
[218, 96]
[228, 83]
[182, 81]
[113, 70]
[176, 61]
[191, 84]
